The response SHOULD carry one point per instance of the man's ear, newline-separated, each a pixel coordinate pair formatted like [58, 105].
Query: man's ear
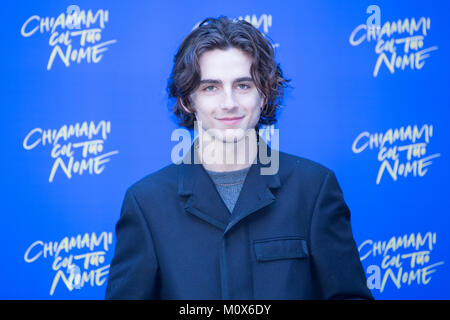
[185, 109]
[264, 103]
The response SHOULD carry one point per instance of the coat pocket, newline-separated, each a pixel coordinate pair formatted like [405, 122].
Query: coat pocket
[280, 248]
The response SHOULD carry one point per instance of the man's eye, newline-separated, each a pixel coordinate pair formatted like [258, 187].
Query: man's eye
[210, 88]
[243, 86]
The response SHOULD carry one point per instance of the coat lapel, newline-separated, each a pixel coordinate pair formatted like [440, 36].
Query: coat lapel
[255, 194]
[205, 203]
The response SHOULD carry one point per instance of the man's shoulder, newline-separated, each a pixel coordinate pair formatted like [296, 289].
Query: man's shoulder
[293, 164]
[310, 176]
[162, 180]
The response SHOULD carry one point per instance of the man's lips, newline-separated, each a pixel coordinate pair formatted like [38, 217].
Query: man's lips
[230, 120]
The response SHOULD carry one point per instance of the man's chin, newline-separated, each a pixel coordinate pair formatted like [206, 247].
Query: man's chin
[232, 135]
[228, 135]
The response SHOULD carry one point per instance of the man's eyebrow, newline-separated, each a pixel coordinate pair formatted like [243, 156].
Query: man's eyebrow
[214, 81]
[210, 81]
[243, 79]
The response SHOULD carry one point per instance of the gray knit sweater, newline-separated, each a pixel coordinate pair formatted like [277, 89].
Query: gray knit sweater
[229, 185]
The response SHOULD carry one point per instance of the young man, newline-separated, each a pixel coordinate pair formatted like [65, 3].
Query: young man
[217, 228]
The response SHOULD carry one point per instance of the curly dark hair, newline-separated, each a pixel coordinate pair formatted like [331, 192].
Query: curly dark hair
[222, 33]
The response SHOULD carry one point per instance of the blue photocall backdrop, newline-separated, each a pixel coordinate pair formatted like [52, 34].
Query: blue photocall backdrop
[85, 114]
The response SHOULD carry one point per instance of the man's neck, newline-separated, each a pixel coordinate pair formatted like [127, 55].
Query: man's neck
[221, 156]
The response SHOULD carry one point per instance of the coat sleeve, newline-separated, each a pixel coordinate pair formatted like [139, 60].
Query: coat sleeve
[336, 264]
[134, 268]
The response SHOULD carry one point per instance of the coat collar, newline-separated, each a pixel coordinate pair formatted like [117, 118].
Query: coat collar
[205, 202]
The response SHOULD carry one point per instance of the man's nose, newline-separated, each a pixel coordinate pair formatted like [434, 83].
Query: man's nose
[228, 99]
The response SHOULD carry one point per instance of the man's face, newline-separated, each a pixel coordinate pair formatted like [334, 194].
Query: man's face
[227, 97]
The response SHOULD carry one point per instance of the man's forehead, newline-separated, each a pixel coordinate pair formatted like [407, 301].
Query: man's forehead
[229, 64]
